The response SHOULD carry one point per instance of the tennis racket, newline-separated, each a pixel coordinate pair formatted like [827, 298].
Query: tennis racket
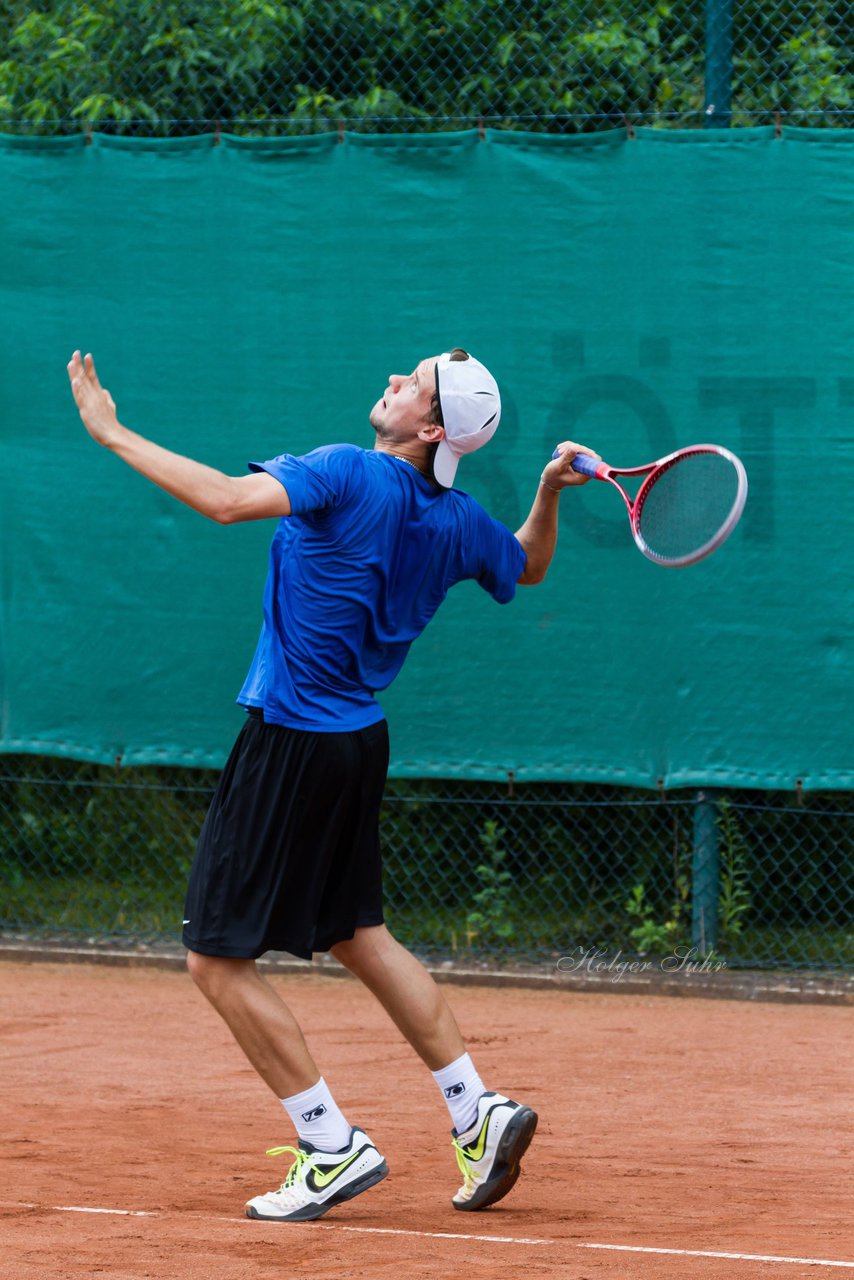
[688, 504]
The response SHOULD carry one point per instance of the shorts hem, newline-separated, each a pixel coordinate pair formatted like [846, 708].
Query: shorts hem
[254, 953]
[349, 935]
[244, 953]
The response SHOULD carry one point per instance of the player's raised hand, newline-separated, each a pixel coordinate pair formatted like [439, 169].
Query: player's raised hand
[559, 473]
[96, 405]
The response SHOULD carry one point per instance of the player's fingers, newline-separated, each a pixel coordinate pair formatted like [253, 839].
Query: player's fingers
[89, 367]
[74, 365]
[570, 446]
[568, 450]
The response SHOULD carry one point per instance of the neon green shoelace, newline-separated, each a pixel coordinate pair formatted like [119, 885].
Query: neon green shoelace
[464, 1165]
[297, 1171]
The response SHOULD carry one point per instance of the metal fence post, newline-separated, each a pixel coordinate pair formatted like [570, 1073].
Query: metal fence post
[705, 875]
[717, 112]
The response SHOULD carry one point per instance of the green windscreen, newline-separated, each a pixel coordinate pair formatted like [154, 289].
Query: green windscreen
[251, 298]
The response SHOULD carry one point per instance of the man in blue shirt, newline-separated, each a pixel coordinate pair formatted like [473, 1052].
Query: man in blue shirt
[367, 546]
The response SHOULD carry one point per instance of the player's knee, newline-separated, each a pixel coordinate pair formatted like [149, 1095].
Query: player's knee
[208, 972]
[345, 953]
[197, 967]
[365, 947]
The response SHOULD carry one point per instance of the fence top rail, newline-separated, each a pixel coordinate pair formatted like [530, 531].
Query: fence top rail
[669, 799]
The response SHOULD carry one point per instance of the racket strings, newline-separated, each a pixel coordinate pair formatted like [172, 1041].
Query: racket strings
[688, 505]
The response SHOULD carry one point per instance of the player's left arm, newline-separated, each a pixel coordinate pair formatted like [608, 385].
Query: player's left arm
[226, 499]
[538, 535]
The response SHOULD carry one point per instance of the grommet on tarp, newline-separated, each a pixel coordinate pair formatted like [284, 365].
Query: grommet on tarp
[117, 763]
[799, 790]
[778, 125]
[340, 130]
[630, 128]
[511, 783]
[660, 786]
[217, 133]
[87, 129]
[481, 132]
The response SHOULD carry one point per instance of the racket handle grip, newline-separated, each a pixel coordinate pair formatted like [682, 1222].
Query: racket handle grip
[582, 462]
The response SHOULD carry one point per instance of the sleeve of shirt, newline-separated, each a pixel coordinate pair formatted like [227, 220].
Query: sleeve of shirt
[496, 558]
[315, 481]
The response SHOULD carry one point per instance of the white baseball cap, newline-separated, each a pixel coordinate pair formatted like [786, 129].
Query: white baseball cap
[469, 410]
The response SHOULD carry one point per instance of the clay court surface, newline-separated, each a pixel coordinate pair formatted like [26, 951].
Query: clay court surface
[673, 1124]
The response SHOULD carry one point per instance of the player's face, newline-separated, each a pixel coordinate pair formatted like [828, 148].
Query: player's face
[406, 405]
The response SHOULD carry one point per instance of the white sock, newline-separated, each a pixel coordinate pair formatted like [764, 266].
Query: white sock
[461, 1088]
[317, 1117]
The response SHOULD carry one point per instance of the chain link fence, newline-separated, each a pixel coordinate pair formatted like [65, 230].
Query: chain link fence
[529, 872]
[251, 66]
[471, 869]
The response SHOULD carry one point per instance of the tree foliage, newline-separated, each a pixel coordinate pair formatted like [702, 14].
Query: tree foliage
[258, 66]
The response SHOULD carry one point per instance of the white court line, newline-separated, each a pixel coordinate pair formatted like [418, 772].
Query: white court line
[458, 1235]
[578, 1244]
[708, 1253]
[437, 1235]
[76, 1208]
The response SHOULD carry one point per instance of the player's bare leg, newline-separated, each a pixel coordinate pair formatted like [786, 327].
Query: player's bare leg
[491, 1132]
[333, 1162]
[258, 1018]
[406, 991]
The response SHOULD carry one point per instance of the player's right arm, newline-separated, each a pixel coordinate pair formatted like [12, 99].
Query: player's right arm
[226, 499]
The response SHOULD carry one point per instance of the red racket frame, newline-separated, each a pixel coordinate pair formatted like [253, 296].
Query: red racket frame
[653, 472]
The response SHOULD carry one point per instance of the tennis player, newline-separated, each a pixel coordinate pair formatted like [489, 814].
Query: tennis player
[368, 544]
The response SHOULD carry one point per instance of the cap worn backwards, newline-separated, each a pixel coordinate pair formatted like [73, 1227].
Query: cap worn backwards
[469, 410]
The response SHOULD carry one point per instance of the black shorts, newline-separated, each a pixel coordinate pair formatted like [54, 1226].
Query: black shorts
[289, 855]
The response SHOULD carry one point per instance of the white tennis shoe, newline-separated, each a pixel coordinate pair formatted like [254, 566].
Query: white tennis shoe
[489, 1153]
[317, 1180]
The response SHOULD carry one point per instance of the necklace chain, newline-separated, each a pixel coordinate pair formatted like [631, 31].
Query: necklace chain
[400, 458]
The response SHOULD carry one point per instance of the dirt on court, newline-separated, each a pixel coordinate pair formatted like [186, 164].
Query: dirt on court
[696, 1125]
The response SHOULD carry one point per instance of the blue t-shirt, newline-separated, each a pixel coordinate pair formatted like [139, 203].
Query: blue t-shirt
[358, 569]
